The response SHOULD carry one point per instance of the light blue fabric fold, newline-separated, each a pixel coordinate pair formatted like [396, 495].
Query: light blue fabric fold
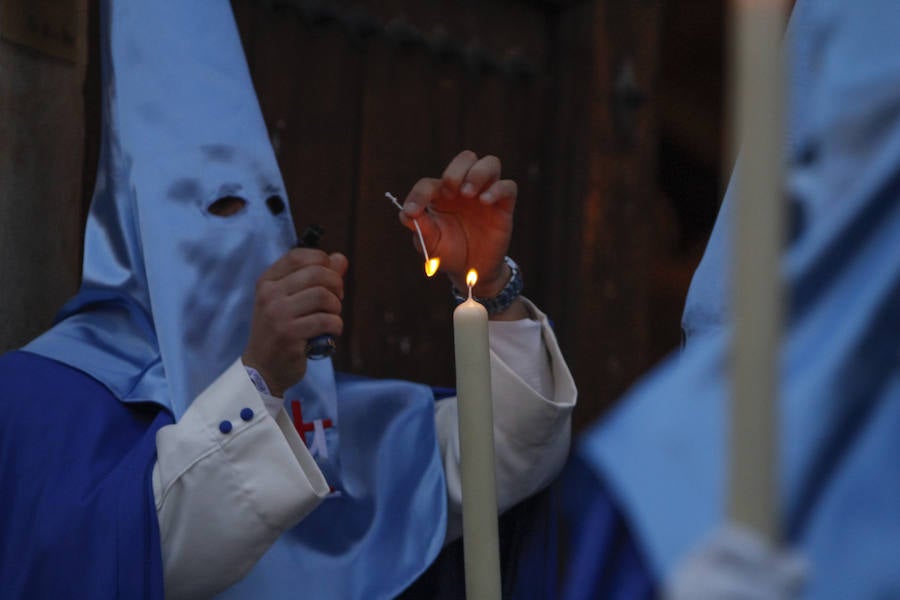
[317, 397]
[371, 540]
[663, 452]
[168, 289]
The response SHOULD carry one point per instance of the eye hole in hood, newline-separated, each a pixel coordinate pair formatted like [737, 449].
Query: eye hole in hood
[275, 204]
[227, 206]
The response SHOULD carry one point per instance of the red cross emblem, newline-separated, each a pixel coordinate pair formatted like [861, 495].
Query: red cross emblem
[302, 426]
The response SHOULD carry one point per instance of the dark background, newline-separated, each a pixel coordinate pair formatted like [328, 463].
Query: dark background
[607, 113]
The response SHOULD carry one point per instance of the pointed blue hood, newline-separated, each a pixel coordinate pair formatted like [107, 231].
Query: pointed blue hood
[663, 452]
[167, 289]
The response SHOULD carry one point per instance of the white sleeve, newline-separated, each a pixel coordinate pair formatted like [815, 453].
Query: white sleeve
[228, 480]
[739, 564]
[533, 398]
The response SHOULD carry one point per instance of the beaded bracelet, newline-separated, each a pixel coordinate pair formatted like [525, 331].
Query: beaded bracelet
[505, 298]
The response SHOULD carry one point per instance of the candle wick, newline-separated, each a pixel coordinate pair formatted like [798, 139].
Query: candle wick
[415, 222]
[470, 290]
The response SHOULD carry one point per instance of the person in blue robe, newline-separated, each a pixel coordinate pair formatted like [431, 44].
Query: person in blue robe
[647, 485]
[156, 440]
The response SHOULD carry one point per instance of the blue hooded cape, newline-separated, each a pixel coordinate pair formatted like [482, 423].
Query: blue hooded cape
[659, 461]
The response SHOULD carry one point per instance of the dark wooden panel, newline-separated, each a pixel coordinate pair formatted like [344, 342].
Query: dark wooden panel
[54, 28]
[503, 72]
[608, 297]
[419, 111]
[92, 114]
[311, 108]
[309, 83]
[565, 184]
[356, 106]
[406, 317]
[367, 99]
[503, 118]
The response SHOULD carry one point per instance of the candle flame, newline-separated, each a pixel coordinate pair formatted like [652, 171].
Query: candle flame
[431, 266]
[471, 278]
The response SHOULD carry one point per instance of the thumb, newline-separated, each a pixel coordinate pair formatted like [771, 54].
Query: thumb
[339, 263]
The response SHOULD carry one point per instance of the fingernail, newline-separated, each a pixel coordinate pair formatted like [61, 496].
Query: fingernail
[487, 197]
[468, 190]
[410, 208]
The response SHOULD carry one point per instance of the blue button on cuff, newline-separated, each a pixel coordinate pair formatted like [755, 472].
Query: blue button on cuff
[225, 426]
[247, 414]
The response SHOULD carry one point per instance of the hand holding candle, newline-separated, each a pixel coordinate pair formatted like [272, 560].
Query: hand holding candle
[465, 218]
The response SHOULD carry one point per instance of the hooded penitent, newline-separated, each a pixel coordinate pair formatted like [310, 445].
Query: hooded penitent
[663, 453]
[168, 286]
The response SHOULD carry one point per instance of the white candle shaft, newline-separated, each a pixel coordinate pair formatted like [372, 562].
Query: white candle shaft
[757, 300]
[481, 548]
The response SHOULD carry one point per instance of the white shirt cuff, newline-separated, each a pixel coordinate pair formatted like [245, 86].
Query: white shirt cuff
[533, 397]
[534, 392]
[229, 479]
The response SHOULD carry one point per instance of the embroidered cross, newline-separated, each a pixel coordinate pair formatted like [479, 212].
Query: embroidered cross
[318, 445]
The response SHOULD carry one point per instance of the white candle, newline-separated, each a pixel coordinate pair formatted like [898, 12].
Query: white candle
[481, 548]
[757, 300]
